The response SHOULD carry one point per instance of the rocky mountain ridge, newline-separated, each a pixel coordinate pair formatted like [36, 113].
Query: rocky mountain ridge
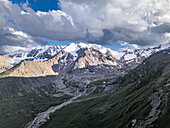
[48, 52]
[52, 60]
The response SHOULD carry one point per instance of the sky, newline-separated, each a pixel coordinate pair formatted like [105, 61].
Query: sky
[112, 23]
[40, 5]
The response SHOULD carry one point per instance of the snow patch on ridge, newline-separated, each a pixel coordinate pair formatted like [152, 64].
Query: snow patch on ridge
[130, 56]
[72, 49]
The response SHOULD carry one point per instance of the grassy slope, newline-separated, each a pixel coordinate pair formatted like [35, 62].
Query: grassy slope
[16, 111]
[117, 110]
[122, 107]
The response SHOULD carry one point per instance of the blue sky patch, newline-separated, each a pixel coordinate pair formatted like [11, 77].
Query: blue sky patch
[52, 42]
[40, 5]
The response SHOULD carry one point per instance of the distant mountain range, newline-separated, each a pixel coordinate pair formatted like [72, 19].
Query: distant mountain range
[58, 59]
[48, 52]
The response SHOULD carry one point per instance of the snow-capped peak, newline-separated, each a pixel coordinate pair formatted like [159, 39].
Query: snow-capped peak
[72, 49]
[47, 52]
[93, 46]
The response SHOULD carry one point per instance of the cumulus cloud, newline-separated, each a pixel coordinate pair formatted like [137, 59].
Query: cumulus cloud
[11, 37]
[142, 22]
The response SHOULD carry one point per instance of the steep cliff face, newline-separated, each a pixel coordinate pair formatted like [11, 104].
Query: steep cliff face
[55, 59]
[92, 57]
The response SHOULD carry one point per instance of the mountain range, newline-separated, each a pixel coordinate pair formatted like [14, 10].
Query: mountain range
[85, 85]
[58, 59]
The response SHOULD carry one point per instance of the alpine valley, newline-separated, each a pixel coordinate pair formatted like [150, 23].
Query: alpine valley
[84, 85]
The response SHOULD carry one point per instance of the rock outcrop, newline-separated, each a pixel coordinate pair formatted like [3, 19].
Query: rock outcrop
[5, 63]
[92, 57]
[31, 69]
